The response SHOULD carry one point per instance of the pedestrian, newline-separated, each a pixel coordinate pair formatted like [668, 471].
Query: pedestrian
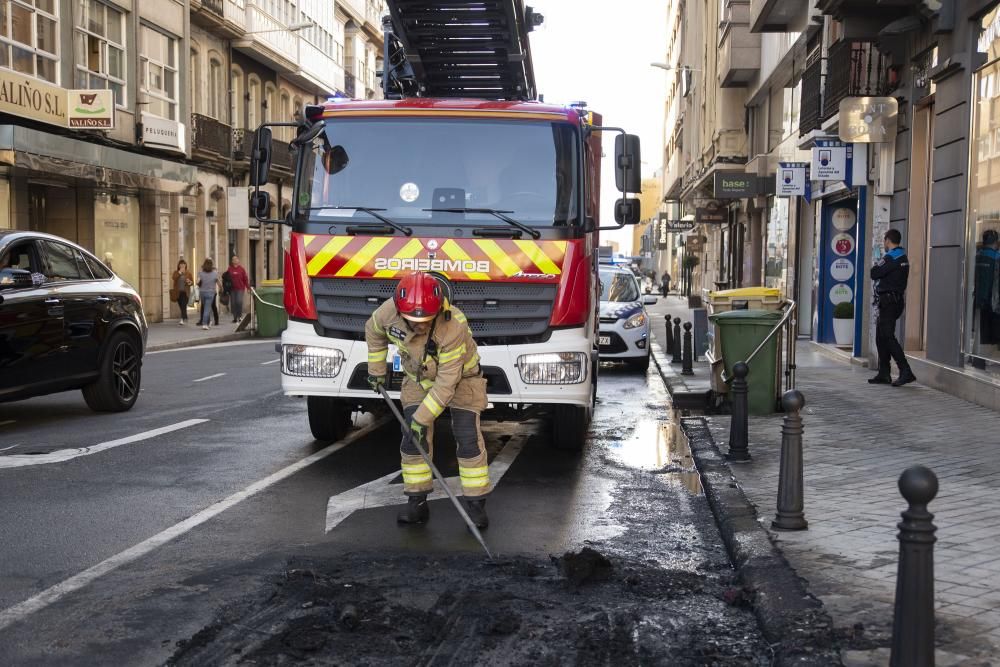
[239, 283]
[181, 283]
[440, 361]
[987, 288]
[890, 275]
[665, 283]
[208, 286]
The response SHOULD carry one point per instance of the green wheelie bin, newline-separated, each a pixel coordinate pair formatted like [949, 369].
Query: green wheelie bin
[269, 302]
[741, 332]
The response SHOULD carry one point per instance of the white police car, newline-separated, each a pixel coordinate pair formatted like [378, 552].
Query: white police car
[624, 323]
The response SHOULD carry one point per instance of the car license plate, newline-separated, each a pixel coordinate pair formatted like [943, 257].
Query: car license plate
[604, 340]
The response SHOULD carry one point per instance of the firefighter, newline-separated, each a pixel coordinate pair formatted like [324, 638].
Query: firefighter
[441, 366]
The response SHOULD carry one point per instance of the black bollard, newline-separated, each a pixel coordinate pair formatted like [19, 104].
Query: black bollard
[687, 367]
[669, 338]
[913, 619]
[676, 351]
[739, 425]
[790, 503]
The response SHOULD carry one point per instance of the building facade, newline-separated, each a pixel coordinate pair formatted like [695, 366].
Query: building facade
[125, 126]
[792, 65]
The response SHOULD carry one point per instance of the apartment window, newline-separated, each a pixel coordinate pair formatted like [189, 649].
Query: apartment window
[216, 88]
[286, 116]
[99, 40]
[270, 106]
[236, 97]
[158, 72]
[253, 99]
[29, 38]
[194, 76]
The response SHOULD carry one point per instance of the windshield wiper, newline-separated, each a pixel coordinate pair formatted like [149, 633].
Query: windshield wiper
[495, 213]
[373, 212]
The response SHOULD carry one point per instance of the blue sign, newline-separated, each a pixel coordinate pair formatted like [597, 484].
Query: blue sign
[838, 263]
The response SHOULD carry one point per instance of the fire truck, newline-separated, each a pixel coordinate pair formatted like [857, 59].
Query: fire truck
[462, 172]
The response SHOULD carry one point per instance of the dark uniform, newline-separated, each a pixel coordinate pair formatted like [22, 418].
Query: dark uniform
[890, 275]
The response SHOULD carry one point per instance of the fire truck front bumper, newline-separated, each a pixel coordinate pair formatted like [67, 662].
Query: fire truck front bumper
[559, 371]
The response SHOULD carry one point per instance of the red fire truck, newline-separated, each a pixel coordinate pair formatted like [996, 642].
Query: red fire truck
[461, 172]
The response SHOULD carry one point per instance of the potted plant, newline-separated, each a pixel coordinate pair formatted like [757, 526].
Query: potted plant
[843, 324]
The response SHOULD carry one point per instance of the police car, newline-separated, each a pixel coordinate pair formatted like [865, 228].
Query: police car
[624, 323]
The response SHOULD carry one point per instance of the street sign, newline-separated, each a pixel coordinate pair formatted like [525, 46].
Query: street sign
[829, 161]
[868, 120]
[790, 180]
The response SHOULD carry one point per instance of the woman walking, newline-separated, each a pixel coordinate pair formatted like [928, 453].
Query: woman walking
[208, 286]
[180, 291]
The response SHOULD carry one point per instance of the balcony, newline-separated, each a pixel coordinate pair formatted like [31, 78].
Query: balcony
[319, 69]
[854, 69]
[811, 103]
[282, 157]
[214, 6]
[235, 13]
[210, 138]
[739, 49]
[272, 42]
[867, 9]
[778, 15]
[350, 84]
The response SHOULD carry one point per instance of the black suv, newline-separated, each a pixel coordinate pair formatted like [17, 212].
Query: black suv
[67, 322]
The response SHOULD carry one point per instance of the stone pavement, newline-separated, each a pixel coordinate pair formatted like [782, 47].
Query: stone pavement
[858, 439]
[169, 335]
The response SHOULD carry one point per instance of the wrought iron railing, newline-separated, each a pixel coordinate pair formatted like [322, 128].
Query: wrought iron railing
[214, 6]
[208, 134]
[811, 104]
[854, 69]
[350, 84]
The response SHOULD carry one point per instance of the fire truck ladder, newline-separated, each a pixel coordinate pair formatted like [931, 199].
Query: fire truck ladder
[477, 49]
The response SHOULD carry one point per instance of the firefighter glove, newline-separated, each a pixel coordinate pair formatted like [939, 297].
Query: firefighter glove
[376, 382]
[418, 431]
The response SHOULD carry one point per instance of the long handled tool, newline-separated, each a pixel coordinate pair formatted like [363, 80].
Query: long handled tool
[437, 473]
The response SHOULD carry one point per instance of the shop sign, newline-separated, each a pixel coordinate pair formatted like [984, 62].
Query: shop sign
[667, 225]
[238, 207]
[91, 109]
[841, 293]
[868, 120]
[162, 133]
[31, 98]
[711, 216]
[829, 161]
[693, 244]
[791, 180]
[842, 245]
[735, 185]
[843, 219]
[842, 269]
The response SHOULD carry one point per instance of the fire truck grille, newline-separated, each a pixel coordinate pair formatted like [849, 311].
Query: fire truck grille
[499, 313]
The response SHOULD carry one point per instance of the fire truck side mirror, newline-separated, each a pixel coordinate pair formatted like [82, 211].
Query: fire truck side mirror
[260, 205]
[628, 175]
[260, 158]
[627, 211]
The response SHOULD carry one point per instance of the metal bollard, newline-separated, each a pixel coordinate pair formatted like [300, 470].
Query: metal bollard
[676, 351]
[687, 367]
[669, 338]
[739, 425]
[913, 618]
[790, 503]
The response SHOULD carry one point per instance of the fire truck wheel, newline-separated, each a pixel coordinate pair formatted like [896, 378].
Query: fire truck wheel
[329, 418]
[569, 426]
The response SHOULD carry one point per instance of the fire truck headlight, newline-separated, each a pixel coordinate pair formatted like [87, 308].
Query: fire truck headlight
[311, 362]
[553, 368]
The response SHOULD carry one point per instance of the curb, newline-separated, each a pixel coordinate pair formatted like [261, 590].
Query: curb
[679, 394]
[197, 342]
[792, 619]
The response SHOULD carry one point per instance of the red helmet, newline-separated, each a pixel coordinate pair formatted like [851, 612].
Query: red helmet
[418, 297]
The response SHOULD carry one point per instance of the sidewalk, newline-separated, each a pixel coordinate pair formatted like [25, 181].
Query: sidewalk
[168, 335]
[858, 439]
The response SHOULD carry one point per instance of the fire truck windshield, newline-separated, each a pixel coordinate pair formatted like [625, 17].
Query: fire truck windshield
[403, 166]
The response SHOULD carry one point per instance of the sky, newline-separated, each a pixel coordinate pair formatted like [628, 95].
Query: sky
[602, 58]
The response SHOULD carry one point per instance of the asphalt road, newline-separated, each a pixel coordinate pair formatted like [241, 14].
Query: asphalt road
[122, 536]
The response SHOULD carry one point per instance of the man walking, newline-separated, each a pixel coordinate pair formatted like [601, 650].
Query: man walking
[890, 275]
[240, 283]
[665, 283]
[441, 364]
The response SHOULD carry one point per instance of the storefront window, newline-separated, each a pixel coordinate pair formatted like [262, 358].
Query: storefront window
[982, 340]
[4, 204]
[116, 234]
[776, 253]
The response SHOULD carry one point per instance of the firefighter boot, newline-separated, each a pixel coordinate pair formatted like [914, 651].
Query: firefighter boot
[477, 512]
[416, 511]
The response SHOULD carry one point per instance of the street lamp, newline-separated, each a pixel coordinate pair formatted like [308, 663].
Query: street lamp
[669, 68]
[292, 27]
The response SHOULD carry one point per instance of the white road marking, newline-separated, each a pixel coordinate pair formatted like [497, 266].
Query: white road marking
[9, 421]
[11, 447]
[379, 493]
[61, 455]
[268, 363]
[50, 595]
[210, 377]
[212, 346]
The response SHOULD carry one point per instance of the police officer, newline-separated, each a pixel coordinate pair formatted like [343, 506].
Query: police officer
[890, 275]
[438, 356]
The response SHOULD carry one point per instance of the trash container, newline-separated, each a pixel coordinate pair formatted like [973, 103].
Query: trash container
[269, 303]
[741, 331]
[742, 298]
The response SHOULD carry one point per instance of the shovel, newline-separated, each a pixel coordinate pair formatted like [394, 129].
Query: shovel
[435, 471]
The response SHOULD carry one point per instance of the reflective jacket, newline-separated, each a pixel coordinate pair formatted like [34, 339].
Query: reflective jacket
[437, 368]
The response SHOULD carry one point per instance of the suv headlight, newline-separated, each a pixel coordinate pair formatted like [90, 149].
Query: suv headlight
[553, 368]
[311, 362]
[635, 321]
